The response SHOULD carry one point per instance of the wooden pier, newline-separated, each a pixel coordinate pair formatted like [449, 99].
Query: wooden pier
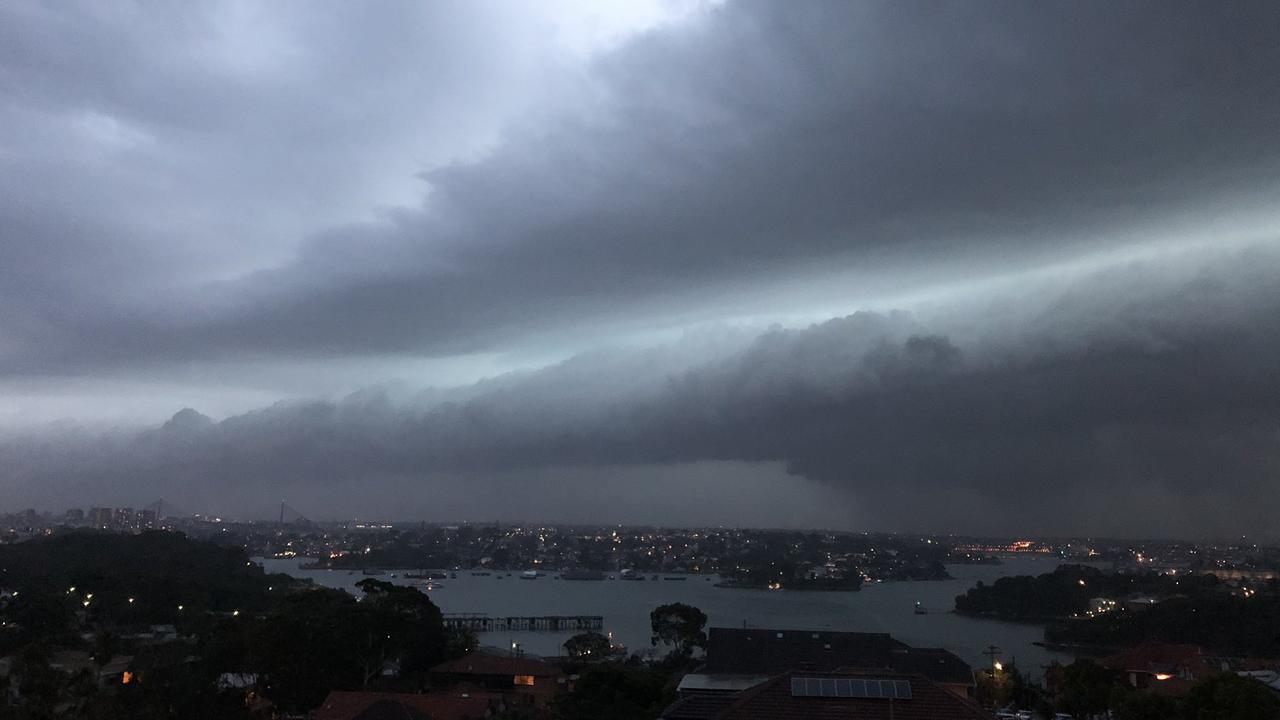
[479, 622]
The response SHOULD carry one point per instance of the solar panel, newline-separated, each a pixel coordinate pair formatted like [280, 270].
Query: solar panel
[850, 688]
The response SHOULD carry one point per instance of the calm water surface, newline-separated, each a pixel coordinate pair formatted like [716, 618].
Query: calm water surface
[625, 605]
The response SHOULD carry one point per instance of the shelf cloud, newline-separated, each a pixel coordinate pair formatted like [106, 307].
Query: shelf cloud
[975, 267]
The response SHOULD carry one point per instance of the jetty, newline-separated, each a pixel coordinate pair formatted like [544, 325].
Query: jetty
[479, 622]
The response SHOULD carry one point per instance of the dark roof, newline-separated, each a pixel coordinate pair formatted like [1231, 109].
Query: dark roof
[699, 706]
[769, 652]
[774, 699]
[1156, 657]
[937, 664]
[384, 709]
[405, 706]
[477, 663]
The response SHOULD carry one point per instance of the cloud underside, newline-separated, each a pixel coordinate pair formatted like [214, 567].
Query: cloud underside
[1075, 200]
[1156, 409]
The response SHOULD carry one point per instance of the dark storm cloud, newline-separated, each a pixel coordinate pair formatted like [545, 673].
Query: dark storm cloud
[742, 148]
[1140, 398]
[187, 192]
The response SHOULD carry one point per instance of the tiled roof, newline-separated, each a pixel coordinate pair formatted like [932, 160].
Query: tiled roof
[769, 652]
[774, 700]
[483, 664]
[1156, 657]
[937, 664]
[405, 706]
[699, 706]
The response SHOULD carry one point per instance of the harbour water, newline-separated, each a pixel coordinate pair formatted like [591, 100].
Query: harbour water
[625, 605]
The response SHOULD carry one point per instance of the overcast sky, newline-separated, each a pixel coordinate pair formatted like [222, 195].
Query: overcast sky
[977, 267]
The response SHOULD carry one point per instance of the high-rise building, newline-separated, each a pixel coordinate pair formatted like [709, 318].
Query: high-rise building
[124, 517]
[102, 517]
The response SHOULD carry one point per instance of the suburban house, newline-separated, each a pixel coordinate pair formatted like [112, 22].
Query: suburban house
[842, 695]
[528, 680]
[741, 658]
[1164, 668]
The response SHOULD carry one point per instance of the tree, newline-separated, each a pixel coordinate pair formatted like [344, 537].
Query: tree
[618, 692]
[1147, 706]
[308, 647]
[1007, 686]
[1231, 697]
[322, 640]
[589, 645]
[402, 626]
[679, 625]
[459, 641]
[1088, 688]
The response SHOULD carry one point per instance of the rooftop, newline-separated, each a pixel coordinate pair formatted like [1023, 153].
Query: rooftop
[406, 706]
[769, 652]
[914, 698]
[1158, 658]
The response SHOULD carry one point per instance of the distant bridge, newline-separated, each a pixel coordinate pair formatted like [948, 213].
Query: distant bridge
[164, 509]
[291, 516]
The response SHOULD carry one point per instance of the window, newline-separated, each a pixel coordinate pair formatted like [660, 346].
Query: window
[523, 680]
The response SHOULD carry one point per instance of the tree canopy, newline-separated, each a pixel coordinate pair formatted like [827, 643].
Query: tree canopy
[679, 625]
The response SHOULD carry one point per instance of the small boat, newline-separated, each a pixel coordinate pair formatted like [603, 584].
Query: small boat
[529, 575]
[481, 573]
[920, 609]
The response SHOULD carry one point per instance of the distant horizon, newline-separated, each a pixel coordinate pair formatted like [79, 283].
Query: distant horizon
[526, 523]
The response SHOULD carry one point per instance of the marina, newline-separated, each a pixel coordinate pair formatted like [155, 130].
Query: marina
[483, 602]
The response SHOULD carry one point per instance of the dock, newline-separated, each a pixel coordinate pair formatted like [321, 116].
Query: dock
[479, 622]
